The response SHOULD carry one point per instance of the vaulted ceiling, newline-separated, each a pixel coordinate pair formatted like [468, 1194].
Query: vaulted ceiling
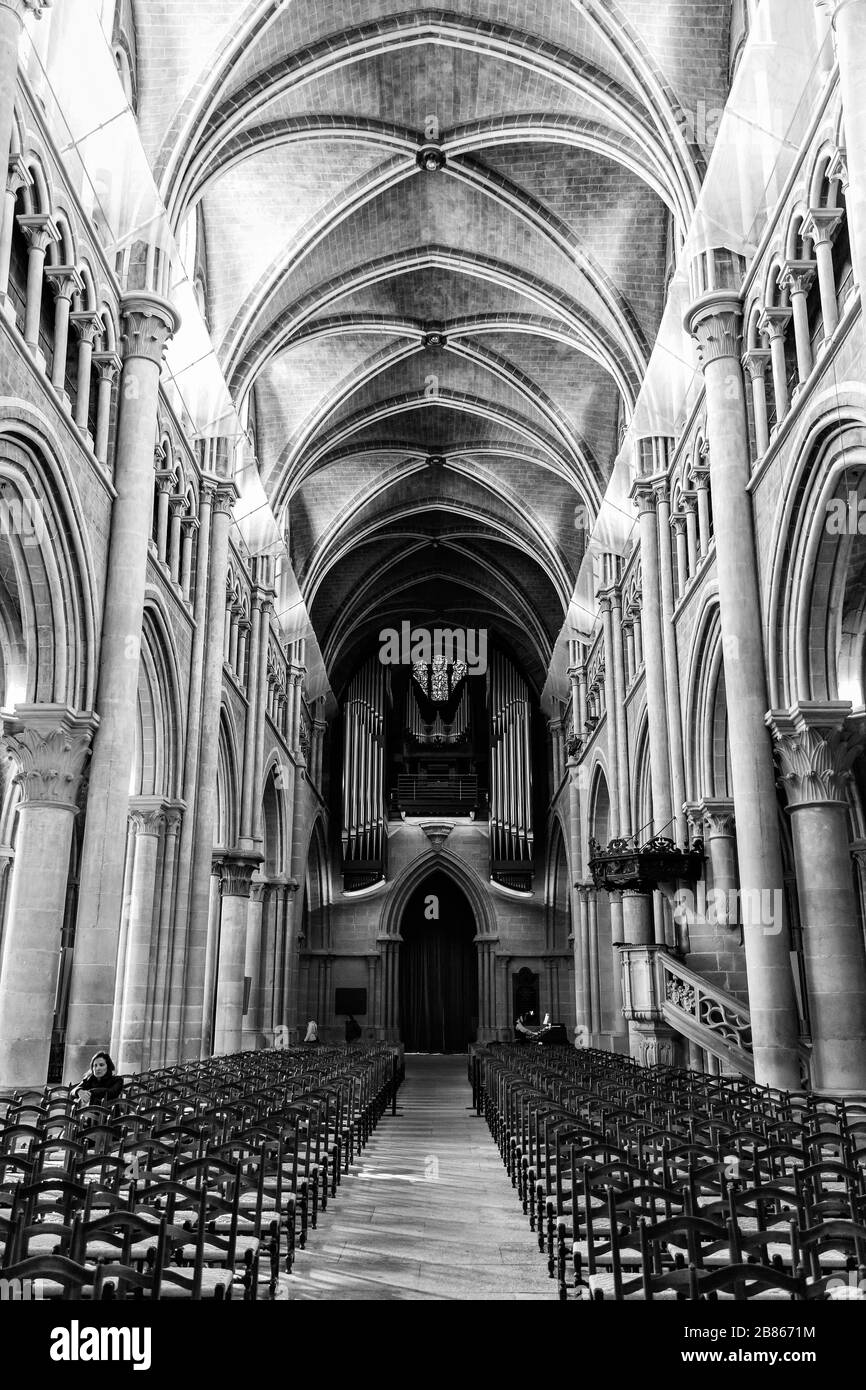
[439, 360]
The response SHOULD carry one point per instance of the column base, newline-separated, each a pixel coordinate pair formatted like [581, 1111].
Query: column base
[654, 1045]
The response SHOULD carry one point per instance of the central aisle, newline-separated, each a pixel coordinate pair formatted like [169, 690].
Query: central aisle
[428, 1212]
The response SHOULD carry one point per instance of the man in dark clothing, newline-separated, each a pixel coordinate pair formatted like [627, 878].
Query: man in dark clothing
[353, 1029]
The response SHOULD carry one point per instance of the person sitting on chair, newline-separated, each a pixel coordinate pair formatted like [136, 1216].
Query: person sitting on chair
[101, 1085]
[312, 1033]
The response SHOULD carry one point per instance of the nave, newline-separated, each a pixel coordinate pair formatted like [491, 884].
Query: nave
[429, 1213]
[532, 1173]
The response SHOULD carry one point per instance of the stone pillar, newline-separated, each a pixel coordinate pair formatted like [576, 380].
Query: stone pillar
[849, 25]
[19, 177]
[49, 745]
[253, 965]
[258, 749]
[774, 323]
[108, 364]
[594, 980]
[581, 959]
[644, 494]
[702, 492]
[816, 751]
[147, 819]
[88, 326]
[159, 981]
[228, 1015]
[617, 938]
[677, 828]
[12, 13]
[637, 911]
[690, 512]
[194, 1040]
[176, 507]
[40, 231]
[189, 526]
[755, 362]
[720, 833]
[715, 320]
[165, 481]
[65, 281]
[148, 323]
[820, 226]
[797, 277]
[615, 698]
[678, 529]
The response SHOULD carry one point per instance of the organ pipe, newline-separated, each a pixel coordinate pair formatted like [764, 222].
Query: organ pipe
[511, 832]
[363, 826]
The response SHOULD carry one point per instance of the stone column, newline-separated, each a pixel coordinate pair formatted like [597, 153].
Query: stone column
[228, 1021]
[797, 277]
[159, 980]
[253, 965]
[644, 495]
[40, 230]
[702, 492]
[613, 743]
[820, 226]
[637, 911]
[678, 529]
[774, 323]
[677, 829]
[148, 323]
[816, 751]
[617, 938]
[194, 1041]
[594, 980]
[755, 362]
[65, 281]
[88, 326]
[165, 481]
[176, 507]
[19, 177]
[720, 832]
[108, 364]
[49, 745]
[189, 526]
[581, 959]
[147, 819]
[849, 25]
[12, 13]
[715, 321]
[690, 512]
[255, 725]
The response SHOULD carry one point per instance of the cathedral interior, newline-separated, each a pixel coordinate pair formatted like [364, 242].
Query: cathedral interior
[432, 479]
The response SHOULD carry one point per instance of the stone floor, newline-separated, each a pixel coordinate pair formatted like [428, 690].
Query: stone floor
[428, 1212]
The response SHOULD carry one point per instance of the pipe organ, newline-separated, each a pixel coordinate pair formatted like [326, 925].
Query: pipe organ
[440, 730]
[363, 829]
[511, 838]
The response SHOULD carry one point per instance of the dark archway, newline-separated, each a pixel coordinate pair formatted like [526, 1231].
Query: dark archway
[438, 969]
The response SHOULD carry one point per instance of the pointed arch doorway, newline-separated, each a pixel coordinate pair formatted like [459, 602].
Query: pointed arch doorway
[438, 968]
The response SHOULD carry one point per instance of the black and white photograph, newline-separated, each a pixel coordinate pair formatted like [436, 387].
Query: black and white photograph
[433, 677]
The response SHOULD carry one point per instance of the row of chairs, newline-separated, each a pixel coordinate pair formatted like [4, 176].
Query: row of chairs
[202, 1181]
[631, 1175]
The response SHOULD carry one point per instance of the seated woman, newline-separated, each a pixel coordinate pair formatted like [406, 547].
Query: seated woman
[101, 1085]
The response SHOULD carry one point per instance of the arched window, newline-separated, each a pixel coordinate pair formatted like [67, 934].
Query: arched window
[124, 47]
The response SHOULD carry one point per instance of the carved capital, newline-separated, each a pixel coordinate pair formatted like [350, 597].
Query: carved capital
[108, 364]
[798, 276]
[147, 815]
[19, 175]
[224, 497]
[773, 322]
[87, 325]
[39, 230]
[147, 325]
[643, 494]
[820, 225]
[715, 323]
[678, 523]
[236, 874]
[257, 889]
[755, 363]
[65, 280]
[816, 750]
[49, 745]
[717, 814]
